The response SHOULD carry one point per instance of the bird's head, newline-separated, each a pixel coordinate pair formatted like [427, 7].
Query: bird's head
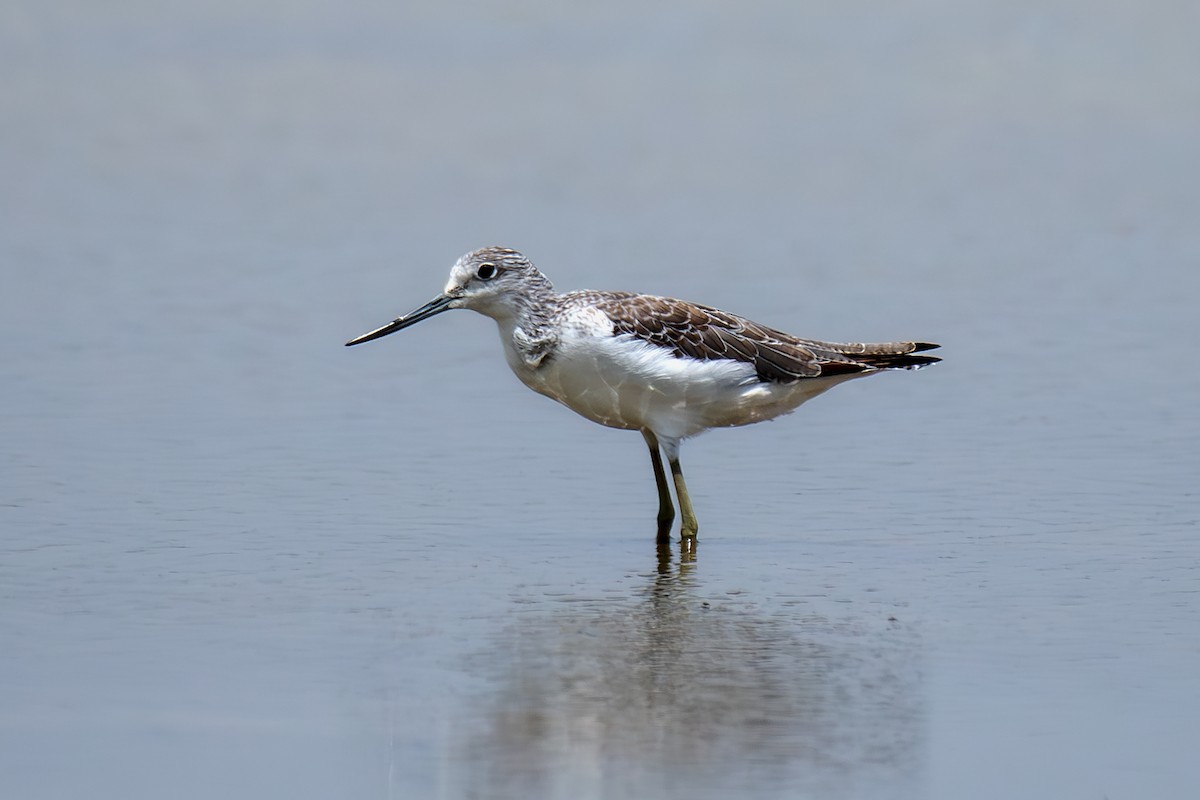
[496, 281]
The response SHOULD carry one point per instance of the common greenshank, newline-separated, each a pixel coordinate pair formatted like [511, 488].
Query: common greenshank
[665, 367]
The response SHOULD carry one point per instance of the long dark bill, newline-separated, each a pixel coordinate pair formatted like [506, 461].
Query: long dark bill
[435, 306]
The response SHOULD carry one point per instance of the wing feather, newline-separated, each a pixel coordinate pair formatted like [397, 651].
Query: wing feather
[695, 331]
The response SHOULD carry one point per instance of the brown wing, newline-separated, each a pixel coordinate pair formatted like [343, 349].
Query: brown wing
[706, 333]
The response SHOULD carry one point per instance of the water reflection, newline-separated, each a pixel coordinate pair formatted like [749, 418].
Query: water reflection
[676, 694]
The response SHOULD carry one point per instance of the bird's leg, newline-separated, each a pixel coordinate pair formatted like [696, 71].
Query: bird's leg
[666, 511]
[689, 527]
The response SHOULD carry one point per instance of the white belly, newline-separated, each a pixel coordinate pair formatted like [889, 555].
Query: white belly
[623, 382]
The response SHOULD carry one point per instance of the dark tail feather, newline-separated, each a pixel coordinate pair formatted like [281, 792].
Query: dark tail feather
[881, 358]
[902, 360]
[905, 360]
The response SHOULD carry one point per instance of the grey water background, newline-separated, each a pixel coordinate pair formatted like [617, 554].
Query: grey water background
[239, 560]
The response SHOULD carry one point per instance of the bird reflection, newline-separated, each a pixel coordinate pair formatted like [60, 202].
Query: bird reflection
[676, 694]
[687, 560]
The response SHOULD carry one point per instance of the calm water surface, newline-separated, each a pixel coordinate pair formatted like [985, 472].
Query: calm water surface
[239, 560]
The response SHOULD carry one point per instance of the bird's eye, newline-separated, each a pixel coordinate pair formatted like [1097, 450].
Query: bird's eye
[486, 272]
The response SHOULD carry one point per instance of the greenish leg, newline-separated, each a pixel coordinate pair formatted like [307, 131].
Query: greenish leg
[666, 511]
[688, 531]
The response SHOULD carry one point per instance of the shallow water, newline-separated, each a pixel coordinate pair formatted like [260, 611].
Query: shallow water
[240, 560]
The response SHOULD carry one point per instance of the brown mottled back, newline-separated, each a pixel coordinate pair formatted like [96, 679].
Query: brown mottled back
[702, 332]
